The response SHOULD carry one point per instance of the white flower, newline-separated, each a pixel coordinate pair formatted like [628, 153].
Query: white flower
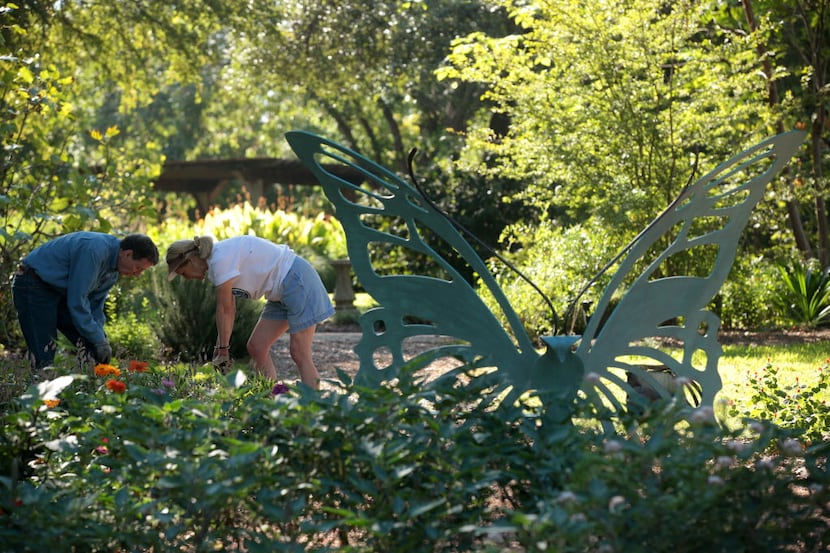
[715, 480]
[566, 497]
[791, 446]
[724, 461]
[616, 503]
[612, 446]
[703, 415]
[764, 464]
[592, 377]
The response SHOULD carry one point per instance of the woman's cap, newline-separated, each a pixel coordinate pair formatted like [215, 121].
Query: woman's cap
[177, 253]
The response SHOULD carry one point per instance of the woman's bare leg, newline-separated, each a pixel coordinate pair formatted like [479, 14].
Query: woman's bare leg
[265, 333]
[300, 349]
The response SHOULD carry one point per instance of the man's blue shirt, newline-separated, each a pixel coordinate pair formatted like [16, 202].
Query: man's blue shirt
[85, 266]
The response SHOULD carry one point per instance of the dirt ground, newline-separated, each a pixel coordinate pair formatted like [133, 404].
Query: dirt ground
[333, 347]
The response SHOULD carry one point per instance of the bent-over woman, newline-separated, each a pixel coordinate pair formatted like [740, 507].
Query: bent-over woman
[251, 268]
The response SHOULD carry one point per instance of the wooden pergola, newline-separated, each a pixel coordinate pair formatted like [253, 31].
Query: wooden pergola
[206, 179]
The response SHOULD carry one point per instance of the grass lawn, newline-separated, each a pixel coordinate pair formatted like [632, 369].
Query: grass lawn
[796, 364]
[802, 361]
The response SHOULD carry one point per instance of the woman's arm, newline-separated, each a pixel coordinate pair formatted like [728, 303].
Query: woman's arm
[225, 315]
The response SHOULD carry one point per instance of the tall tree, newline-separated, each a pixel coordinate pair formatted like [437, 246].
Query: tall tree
[611, 103]
[366, 69]
[797, 33]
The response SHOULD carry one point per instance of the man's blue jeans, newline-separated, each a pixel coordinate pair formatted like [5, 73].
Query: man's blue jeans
[42, 312]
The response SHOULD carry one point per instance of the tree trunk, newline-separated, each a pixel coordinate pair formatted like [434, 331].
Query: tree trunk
[793, 205]
[341, 122]
[396, 135]
[817, 33]
[801, 241]
[818, 176]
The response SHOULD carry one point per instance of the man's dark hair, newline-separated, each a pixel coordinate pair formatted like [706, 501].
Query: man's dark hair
[142, 247]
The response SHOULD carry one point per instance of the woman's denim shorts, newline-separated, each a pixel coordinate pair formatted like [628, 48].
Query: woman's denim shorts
[304, 300]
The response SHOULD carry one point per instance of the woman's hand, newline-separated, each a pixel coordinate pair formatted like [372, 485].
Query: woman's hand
[222, 360]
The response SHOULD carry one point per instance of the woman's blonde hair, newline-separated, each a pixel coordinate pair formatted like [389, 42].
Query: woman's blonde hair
[181, 250]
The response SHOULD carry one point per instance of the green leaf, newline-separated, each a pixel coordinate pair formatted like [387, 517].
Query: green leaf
[426, 507]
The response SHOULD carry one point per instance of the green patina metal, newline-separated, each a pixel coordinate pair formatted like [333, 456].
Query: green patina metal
[711, 213]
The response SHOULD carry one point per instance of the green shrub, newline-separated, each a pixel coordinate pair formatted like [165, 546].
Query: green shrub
[180, 459]
[800, 407]
[694, 490]
[132, 338]
[186, 312]
[749, 299]
[560, 262]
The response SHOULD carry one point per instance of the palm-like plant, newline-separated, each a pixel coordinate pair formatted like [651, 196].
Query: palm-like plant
[808, 300]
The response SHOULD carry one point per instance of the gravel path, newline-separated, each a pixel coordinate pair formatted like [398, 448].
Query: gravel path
[333, 348]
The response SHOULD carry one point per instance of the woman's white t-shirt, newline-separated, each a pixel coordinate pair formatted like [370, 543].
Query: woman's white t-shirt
[260, 265]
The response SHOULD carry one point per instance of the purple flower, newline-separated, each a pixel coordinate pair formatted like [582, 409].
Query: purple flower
[278, 389]
[168, 383]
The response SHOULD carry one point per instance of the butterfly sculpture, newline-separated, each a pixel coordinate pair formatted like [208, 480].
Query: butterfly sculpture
[711, 213]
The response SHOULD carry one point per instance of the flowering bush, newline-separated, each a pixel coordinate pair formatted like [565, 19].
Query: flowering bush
[800, 406]
[185, 459]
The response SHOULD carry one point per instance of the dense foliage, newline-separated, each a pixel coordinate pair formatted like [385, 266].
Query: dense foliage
[170, 457]
[612, 116]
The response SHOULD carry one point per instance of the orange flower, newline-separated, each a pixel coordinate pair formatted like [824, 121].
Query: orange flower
[50, 403]
[138, 366]
[102, 369]
[116, 386]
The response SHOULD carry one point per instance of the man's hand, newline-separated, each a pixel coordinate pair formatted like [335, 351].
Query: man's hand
[102, 352]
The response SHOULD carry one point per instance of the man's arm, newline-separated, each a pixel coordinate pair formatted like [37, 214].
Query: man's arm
[84, 298]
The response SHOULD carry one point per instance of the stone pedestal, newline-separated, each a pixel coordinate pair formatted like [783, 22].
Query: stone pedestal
[343, 289]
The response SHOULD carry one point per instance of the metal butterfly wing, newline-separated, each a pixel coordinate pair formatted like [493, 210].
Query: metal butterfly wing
[705, 221]
[382, 213]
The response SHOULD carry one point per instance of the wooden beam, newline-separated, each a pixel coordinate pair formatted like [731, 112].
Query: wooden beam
[205, 175]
